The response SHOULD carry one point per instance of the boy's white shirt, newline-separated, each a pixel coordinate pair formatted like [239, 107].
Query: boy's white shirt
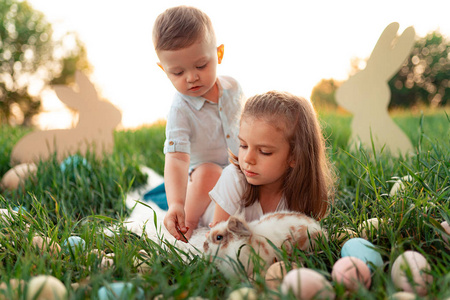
[203, 129]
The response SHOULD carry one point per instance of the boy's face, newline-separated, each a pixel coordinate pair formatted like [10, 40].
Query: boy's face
[192, 70]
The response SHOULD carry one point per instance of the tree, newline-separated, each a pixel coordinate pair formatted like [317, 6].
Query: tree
[425, 75]
[30, 59]
[323, 93]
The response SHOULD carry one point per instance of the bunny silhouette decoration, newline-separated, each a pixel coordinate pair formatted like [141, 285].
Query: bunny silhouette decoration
[94, 130]
[367, 94]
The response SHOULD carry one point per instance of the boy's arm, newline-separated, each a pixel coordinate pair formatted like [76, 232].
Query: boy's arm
[176, 170]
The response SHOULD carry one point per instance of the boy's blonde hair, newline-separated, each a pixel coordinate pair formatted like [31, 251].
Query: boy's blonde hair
[181, 26]
[309, 184]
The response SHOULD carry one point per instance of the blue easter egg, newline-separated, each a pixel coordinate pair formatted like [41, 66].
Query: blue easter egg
[19, 209]
[76, 243]
[364, 250]
[120, 290]
[73, 161]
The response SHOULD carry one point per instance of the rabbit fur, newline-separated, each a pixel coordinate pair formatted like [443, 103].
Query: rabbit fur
[96, 123]
[234, 239]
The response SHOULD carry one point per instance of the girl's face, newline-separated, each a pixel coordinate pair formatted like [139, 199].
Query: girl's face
[263, 153]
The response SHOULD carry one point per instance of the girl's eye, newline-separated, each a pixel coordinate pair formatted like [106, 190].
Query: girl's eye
[219, 237]
[266, 153]
[202, 67]
[178, 73]
[243, 146]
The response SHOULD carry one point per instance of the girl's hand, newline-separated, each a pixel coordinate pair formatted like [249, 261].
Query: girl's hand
[175, 222]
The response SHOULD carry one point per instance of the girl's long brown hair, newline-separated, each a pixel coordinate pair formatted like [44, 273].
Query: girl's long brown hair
[309, 185]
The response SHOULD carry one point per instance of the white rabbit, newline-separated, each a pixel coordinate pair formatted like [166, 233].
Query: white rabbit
[367, 94]
[94, 130]
[233, 240]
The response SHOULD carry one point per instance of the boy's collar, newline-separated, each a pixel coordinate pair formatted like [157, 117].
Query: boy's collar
[198, 102]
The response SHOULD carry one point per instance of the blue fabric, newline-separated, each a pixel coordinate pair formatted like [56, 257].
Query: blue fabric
[158, 195]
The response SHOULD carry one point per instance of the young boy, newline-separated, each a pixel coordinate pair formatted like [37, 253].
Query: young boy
[202, 125]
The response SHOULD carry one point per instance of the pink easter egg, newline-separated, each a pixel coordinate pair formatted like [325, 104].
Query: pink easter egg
[418, 266]
[351, 272]
[447, 230]
[307, 284]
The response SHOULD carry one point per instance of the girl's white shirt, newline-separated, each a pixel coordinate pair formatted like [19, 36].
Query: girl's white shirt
[228, 193]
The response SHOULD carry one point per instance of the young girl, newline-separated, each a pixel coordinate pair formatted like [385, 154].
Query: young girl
[281, 164]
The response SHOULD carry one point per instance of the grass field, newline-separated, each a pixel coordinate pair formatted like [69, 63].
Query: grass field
[85, 199]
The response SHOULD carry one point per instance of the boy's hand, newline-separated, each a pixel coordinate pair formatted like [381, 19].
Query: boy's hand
[174, 222]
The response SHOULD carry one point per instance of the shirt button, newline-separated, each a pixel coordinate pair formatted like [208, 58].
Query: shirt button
[220, 108]
[228, 136]
[170, 143]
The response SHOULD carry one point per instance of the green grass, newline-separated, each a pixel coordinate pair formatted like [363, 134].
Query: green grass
[88, 199]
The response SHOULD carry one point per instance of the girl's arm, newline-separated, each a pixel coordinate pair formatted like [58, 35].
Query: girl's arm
[176, 170]
[219, 216]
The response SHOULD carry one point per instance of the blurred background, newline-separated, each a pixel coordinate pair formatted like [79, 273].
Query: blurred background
[304, 47]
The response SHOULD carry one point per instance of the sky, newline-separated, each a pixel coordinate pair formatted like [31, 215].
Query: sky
[285, 45]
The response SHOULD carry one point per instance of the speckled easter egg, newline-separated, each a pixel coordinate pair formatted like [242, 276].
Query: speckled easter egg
[364, 250]
[276, 272]
[344, 234]
[418, 268]
[142, 261]
[73, 162]
[352, 273]
[403, 296]
[120, 290]
[244, 293]
[447, 230]
[45, 244]
[75, 243]
[17, 175]
[369, 228]
[307, 284]
[46, 287]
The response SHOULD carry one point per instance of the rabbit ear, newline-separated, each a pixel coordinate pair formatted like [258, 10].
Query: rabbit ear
[391, 50]
[68, 96]
[238, 226]
[85, 93]
[85, 86]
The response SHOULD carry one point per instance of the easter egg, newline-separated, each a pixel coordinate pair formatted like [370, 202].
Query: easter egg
[275, 274]
[344, 234]
[45, 244]
[399, 185]
[20, 209]
[120, 290]
[369, 228]
[307, 284]
[46, 287]
[243, 293]
[351, 272]
[17, 175]
[364, 250]
[414, 264]
[107, 261]
[73, 162]
[6, 215]
[142, 261]
[11, 290]
[447, 230]
[403, 296]
[75, 243]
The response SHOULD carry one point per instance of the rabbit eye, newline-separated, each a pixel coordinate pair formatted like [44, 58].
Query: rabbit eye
[219, 237]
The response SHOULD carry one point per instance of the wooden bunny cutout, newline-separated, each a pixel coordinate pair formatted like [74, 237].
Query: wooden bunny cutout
[94, 130]
[367, 94]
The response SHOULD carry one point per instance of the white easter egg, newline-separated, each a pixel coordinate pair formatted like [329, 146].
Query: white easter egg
[399, 185]
[403, 296]
[369, 228]
[275, 274]
[307, 284]
[45, 244]
[6, 215]
[13, 290]
[17, 175]
[107, 261]
[46, 287]
[243, 293]
[352, 273]
[120, 290]
[418, 266]
[447, 230]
